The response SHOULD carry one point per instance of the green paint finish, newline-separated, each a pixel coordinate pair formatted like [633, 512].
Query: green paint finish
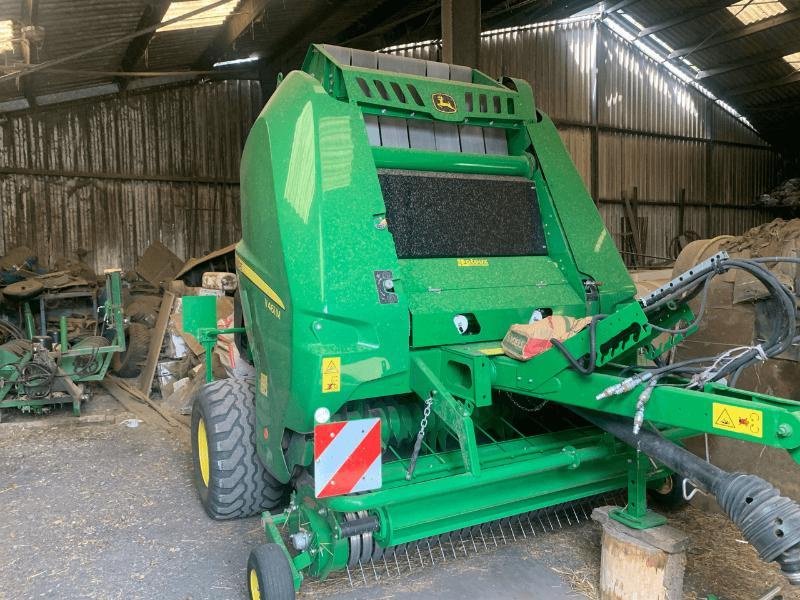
[592, 247]
[636, 514]
[669, 320]
[456, 416]
[311, 203]
[273, 534]
[673, 406]
[313, 237]
[199, 313]
[616, 336]
[438, 289]
[307, 177]
[391, 94]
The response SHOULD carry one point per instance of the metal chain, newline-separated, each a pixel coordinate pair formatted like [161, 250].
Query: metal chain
[530, 409]
[423, 424]
[426, 412]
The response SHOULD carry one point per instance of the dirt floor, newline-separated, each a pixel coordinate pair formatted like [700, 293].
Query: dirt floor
[94, 509]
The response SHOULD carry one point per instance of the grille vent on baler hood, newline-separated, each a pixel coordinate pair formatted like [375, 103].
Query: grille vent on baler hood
[398, 132]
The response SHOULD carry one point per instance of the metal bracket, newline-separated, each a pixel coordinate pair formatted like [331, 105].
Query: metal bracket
[708, 265]
[453, 413]
[670, 319]
[296, 563]
[384, 282]
[636, 514]
[208, 339]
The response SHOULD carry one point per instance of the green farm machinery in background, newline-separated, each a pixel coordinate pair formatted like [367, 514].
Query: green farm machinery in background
[46, 368]
[398, 216]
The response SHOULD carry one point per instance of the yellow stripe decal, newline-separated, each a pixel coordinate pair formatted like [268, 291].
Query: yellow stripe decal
[492, 351]
[248, 272]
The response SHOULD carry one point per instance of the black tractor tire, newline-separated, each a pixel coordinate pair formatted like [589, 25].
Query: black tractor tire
[128, 363]
[669, 496]
[230, 479]
[269, 576]
[143, 309]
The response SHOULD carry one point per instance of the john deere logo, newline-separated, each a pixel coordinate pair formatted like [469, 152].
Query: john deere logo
[444, 103]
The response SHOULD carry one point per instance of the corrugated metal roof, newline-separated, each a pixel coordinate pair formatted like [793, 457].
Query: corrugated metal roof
[115, 175]
[280, 31]
[74, 26]
[754, 76]
[176, 49]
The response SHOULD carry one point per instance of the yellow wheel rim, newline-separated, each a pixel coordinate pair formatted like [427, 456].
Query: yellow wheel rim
[255, 591]
[202, 451]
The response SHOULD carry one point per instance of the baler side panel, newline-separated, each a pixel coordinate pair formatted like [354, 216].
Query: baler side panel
[303, 168]
[270, 338]
[593, 248]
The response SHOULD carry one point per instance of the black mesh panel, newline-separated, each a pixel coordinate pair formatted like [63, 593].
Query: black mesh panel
[438, 215]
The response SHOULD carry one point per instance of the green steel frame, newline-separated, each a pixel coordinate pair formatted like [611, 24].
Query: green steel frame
[12, 393]
[314, 233]
[201, 321]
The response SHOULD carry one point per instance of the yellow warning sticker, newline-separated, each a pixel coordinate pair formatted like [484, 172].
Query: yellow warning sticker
[263, 384]
[739, 420]
[331, 374]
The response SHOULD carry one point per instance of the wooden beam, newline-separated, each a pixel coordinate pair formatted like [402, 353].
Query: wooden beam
[248, 12]
[153, 15]
[244, 73]
[461, 32]
[762, 85]
[29, 14]
[750, 60]
[146, 409]
[26, 89]
[685, 16]
[95, 49]
[737, 34]
[116, 176]
[156, 340]
[390, 24]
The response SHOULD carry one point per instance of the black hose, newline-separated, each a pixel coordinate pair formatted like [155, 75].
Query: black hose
[701, 473]
[589, 368]
[768, 521]
[9, 331]
[700, 313]
[780, 338]
[780, 293]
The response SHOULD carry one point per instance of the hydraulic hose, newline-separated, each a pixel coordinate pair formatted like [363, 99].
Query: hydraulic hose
[768, 521]
[780, 338]
[588, 369]
[684, 288]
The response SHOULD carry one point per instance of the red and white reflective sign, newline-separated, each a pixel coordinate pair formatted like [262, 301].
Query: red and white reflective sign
[347, 457]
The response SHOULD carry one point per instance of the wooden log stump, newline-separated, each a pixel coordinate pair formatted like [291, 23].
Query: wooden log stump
[640, 564]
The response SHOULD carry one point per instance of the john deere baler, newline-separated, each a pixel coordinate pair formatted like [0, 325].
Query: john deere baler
[398, 216]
